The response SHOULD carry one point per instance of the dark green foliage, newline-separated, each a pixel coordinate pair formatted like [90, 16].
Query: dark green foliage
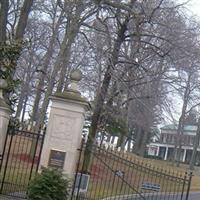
[9, 54]
[113, 123]
[116, 126]
[49, 185]
[13, 125]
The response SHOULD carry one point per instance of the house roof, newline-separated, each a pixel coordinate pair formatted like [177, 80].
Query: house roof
[187, 128]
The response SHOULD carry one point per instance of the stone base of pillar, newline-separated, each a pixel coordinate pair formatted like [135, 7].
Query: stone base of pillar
[4, 120]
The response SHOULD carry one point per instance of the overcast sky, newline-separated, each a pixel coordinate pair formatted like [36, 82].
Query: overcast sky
[194, 6]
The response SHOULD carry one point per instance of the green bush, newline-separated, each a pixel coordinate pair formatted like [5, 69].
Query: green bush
[49, 185]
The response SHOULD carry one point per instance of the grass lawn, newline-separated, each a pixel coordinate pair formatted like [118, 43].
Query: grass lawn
[103, 183]
[167, 165]
[17, 175]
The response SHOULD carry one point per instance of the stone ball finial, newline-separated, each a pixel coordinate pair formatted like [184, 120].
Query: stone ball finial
[3, 84]
[76, 75]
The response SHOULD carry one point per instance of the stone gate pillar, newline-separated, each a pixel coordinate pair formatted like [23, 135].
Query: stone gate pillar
[5, 113]
[64, 129]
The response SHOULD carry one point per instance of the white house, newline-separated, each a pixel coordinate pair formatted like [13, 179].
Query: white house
[164, 147]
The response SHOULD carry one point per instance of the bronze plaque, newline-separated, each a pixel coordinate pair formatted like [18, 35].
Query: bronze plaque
[57, 159]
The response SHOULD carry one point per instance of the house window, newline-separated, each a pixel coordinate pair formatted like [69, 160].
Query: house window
[182, 139]
[172, 139]
[191, 140]
[169, 139]
[164, 139]
[187, 140]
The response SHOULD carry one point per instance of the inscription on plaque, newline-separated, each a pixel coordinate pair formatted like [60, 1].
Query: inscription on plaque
[57, 159]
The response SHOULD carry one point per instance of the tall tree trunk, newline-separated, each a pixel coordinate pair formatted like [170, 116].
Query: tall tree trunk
[24, 13]
[178, 138]
[20, 103]
[38, 95]
[104, 89]
[143, 143]
[3, 19]
[72, 31]
[138, 139]
[108, 138]
[45, 66]
[25, 88]
[129, 145]
[24, 108]
[63, 74]
[21, 98]
[62, 59]
[20, 29]
[102, 139]
[123, 144]
[121, 141]
[113, 140]
[106, 81]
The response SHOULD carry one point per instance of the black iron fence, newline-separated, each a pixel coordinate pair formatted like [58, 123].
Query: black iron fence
[20, 161]
[115, 175]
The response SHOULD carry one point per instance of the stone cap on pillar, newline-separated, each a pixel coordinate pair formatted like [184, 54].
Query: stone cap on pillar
[72, 93]
[3, 86]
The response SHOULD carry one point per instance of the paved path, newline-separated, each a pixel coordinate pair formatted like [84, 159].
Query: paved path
[2, 197]
[9, 198]
[193, 196]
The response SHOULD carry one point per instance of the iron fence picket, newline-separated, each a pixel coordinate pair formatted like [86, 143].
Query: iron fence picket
[189, 185]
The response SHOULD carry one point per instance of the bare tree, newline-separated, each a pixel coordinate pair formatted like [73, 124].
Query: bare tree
[4, 7]
[56, 23]
[190, 101]
[75, 20]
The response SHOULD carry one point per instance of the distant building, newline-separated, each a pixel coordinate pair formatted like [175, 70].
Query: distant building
[164, 147]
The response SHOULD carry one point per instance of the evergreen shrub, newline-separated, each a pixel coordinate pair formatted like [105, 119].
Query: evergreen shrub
[48, 185]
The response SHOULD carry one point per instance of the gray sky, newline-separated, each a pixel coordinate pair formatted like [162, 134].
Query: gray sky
[194, 6]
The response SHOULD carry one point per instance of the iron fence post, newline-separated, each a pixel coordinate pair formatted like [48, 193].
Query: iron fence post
[34, 154]
[79, 185]
[189, 184]
[6, 163]
[183, 188]
[79, 160]
[41, 148]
